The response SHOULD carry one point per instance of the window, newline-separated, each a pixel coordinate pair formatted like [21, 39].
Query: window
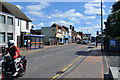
[9, 36]
[27, 27]
[63, 32]
[60, 39]
[2, 18]
[10, 20]
[2, 37]
[66, 33]
[32, 26]
[18, 22]
[59, 30]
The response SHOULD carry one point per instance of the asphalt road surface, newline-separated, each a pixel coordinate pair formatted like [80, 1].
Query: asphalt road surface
[46, 62]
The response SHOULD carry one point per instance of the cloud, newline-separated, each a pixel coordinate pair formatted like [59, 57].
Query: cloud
[37, 9]
[93, 8]
[70, 14]
[104, 20]
[56, 10]
[67, 24]
[90, 17]
[19, 6]
[37, 13]
[88, 23]
[33, 19]
[40, 25]
[96, 26]
[59, 0]
[89, 30]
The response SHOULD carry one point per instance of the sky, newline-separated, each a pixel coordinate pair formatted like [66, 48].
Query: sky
[84, 16]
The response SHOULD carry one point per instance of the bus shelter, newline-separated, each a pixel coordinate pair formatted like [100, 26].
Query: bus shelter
[33, 41]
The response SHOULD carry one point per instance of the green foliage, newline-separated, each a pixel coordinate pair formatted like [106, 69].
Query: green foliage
[116, 6]
[112, 26]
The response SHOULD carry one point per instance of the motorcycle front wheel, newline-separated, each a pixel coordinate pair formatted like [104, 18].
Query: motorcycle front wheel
[22, 70]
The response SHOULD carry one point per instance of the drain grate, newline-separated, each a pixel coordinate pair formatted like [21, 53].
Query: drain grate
[60, 72]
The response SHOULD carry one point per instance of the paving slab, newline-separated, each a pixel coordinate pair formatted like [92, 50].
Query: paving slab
[91, 67]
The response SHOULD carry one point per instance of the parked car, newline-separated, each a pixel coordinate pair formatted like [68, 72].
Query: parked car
[93, 39]
[85, 42]
[78, 41]
[98, 41]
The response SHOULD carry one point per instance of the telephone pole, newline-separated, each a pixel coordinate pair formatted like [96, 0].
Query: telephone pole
[101, 27]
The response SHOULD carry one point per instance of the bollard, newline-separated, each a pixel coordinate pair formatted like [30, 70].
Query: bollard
[3, 49]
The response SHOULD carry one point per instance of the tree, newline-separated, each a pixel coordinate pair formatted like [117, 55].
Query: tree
[112, 26]
[116, 6]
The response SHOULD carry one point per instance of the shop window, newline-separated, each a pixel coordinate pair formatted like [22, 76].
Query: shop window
[10, 20]
[2, 37]
[2, 19]
[9, 36]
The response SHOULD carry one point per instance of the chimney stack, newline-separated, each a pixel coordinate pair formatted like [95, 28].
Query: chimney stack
[70, 26]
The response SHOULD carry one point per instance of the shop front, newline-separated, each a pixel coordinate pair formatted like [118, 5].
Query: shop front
[52, 40]
[66, 40]
[59, 39]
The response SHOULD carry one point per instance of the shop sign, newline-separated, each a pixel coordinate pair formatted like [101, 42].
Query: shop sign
[27, 33]
[59, 35]
[113, 44]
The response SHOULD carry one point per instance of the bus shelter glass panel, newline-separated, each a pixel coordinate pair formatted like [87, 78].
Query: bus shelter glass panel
[27, 42]
[33, 42]
[42, 44]
[37, 42]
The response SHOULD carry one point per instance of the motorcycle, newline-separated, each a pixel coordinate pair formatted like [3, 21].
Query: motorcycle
[9, 69]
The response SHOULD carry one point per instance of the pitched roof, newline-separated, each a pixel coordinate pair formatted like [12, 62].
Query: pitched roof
[66, 28]
[54, 25]
[14, 10]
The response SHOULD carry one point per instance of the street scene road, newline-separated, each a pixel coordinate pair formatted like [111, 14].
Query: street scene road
[45, 63]
[60, 62]
[58, 39]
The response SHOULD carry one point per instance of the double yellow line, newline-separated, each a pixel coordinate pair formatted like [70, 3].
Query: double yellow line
[64, 69]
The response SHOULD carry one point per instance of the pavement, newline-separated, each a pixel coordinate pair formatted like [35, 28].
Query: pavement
[91, 68]
[25, 51]
[113, 62]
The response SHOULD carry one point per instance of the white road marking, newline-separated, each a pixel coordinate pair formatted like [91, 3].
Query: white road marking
[36, 58]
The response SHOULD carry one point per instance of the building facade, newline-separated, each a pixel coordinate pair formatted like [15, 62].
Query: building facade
[7, 28]
[15, 24]
[53, 35]
[70, 34]
[59, 33]
[65, 35]
[49, 35]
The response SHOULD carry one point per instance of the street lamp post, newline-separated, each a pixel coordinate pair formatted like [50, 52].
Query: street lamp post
[101, 27]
